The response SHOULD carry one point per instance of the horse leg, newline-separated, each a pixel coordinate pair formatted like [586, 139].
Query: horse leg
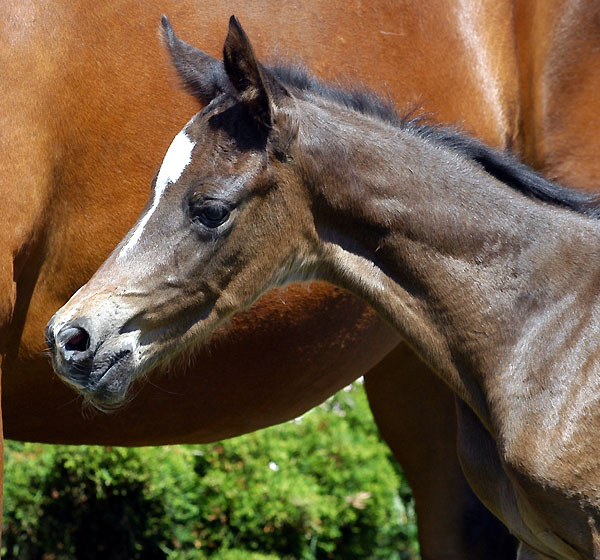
[1, 455]
[416, 416]
[7, 303]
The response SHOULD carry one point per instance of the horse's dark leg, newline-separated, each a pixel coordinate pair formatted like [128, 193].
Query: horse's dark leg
[7, 302]
[416, 416]
[1, 456]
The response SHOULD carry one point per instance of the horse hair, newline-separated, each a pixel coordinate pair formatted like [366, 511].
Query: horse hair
[503, 166]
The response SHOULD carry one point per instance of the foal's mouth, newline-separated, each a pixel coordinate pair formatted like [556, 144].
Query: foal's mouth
[109, 380]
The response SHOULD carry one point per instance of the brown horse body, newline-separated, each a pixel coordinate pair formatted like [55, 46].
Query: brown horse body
[82, 87]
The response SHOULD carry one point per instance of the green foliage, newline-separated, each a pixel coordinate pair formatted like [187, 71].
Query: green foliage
[319, 487]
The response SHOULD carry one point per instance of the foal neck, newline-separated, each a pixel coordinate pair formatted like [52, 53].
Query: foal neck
[460, 263]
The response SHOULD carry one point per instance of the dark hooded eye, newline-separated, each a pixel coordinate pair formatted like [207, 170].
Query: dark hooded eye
[209, 213]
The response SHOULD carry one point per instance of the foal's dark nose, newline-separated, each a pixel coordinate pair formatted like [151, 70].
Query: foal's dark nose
[74, 345]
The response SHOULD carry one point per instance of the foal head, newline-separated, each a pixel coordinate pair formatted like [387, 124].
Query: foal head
[227, 218]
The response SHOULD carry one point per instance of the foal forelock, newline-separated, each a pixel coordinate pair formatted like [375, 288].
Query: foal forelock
[177, 158]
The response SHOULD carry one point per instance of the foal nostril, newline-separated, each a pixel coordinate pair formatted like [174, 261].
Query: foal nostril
[74, 343]
[78, 342]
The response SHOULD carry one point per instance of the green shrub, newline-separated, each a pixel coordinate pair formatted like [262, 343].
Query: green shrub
[319, 487]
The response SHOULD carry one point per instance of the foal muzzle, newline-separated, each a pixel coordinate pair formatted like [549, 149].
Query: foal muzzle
[95, 365]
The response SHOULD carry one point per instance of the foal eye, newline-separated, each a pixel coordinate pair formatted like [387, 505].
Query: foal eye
[210, 213]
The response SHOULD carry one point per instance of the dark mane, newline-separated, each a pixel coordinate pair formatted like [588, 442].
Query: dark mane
[506, 168]
[501, 165]
[356, 98]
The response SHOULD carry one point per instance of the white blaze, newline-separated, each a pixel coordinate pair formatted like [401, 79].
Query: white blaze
[177, 158]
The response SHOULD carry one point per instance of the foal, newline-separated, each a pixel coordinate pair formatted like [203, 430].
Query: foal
[479, 263]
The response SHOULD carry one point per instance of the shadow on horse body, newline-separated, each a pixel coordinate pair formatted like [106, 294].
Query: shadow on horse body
[476, 261]
[81, 87]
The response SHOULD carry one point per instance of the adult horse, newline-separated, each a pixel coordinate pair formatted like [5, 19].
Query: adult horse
[282, 177]
[80, 86]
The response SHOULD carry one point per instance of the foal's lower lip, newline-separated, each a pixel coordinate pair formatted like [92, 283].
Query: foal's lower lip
[117, 359]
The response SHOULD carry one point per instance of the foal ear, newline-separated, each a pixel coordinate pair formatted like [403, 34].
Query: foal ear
[247, 75]
[202, 75]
